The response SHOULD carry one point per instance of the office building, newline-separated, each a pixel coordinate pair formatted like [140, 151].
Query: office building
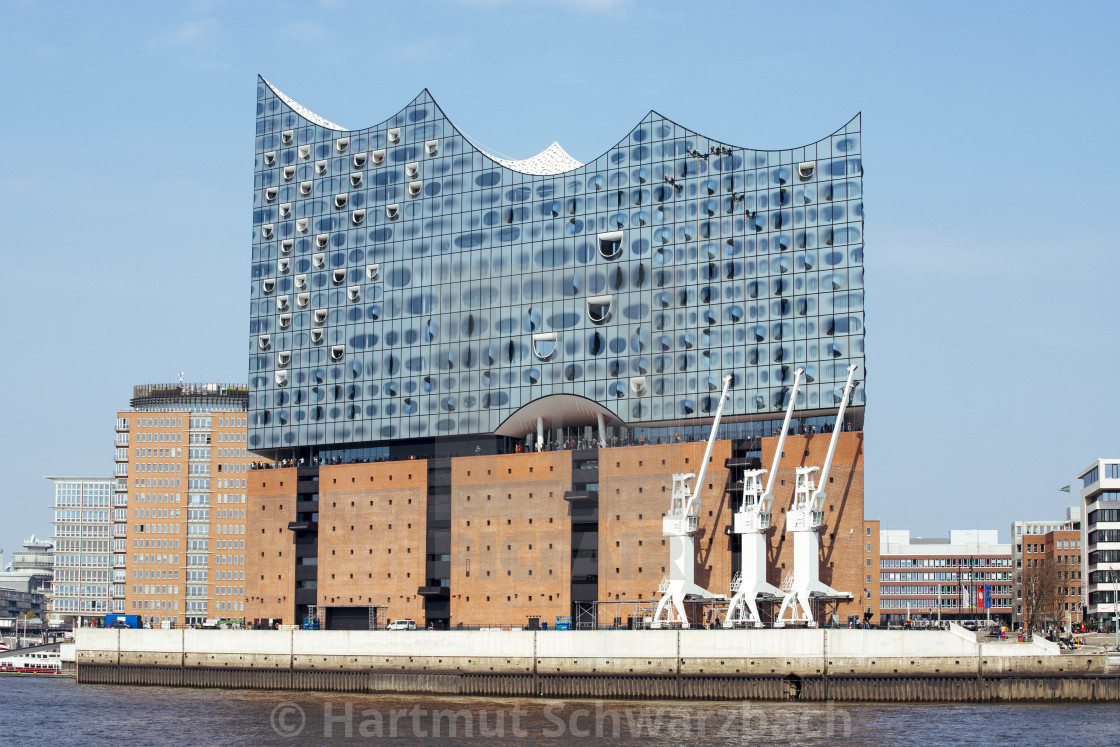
[936, 578]
[444, 342]
[1031, 537]
[1100, 538]
[82, 523]
[179, 503]
[16, 605]
[1051, 579]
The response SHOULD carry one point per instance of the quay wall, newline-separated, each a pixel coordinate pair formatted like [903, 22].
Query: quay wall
[801, 664]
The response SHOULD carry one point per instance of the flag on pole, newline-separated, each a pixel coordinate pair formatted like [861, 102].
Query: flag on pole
[1064, 490]
[981, 600]
[987, 596]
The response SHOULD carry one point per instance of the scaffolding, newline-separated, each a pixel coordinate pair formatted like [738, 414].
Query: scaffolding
[623, 614]
[374, 616]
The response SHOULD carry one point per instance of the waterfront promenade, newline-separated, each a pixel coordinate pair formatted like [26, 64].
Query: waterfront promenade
[789, 664]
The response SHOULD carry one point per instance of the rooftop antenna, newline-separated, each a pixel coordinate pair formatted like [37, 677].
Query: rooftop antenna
[180, 378]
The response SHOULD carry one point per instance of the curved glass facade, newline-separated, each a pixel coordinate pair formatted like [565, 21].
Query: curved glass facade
[405, 284]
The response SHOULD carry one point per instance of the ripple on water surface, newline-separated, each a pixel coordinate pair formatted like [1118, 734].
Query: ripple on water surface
[59, 712]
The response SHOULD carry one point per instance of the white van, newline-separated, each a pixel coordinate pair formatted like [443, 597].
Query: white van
[402, 625]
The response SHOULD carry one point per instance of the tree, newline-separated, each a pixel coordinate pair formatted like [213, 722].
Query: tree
[1041, 593]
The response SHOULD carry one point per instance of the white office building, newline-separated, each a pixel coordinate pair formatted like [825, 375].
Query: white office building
[936, 578]
[1100, 535]
[80, 591]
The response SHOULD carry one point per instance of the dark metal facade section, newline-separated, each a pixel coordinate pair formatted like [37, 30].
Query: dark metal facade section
[437, 590]
[583, 505]
[306, 534]
[746, 453]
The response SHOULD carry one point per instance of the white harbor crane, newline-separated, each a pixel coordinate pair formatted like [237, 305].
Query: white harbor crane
[803, 521]
[679, 525]
[752, 522]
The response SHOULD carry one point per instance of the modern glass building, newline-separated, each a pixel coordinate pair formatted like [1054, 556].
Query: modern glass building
[1100, 539]
[80, 591]
[408, 287]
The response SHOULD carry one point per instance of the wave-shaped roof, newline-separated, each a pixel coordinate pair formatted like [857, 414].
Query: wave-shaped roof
[303, 111]
[551, 161]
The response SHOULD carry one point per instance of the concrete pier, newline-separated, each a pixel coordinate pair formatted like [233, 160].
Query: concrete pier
[819, 664]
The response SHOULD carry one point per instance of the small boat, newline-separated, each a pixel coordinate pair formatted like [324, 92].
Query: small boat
[40, 662]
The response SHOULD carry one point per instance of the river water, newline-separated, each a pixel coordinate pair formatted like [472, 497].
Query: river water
[60, 712]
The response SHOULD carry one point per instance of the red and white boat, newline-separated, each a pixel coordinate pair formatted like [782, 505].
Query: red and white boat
[39, 662]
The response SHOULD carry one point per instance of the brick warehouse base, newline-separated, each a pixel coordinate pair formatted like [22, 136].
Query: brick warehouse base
[532, 535]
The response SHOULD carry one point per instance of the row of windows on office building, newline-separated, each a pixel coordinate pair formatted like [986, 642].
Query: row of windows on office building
[196, 483]
[1104, 515]
[1040, 528]
[75, 590]
[1033, 547]
[191, 591]
[946, 590]
[81, 560]
[935, 603]
[196, 423]
[92, 606]
[962, 562]
[953, 576]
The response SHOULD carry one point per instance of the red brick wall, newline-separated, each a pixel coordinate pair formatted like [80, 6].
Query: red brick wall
[372, 536]
[510, 538]
[269, 545]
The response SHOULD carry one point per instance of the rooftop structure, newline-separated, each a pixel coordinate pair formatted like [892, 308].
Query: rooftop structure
[29, 571]
[188, 397]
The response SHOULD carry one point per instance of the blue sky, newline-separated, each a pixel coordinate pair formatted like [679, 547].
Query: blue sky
[989, 138]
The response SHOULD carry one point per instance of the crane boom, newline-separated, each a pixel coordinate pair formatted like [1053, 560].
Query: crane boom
[711, 443]
[818, 494]
[768, 494]
[678, 525]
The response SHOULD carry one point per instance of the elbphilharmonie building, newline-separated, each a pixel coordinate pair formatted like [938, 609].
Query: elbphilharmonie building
[479, 376]
[408, 285]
